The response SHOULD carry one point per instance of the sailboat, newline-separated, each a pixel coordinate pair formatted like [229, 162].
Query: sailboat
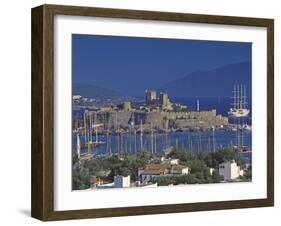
[82, 156]
[90, 125]
[239, 108]
[167, 147]
[97, 142]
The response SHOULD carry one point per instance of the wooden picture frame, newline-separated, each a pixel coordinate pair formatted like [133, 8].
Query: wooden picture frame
[43, 112]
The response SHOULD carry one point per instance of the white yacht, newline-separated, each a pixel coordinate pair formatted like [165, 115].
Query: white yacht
[239, 108]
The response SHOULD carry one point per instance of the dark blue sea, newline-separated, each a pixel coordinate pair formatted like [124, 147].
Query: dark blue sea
[186, 141]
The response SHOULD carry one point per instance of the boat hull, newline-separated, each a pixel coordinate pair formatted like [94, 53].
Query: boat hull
[237, 113]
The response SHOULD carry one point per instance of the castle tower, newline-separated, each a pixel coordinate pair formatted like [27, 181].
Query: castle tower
[151, 97]
[197, 105]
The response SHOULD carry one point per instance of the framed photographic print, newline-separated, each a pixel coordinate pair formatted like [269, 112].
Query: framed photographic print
[141, 112]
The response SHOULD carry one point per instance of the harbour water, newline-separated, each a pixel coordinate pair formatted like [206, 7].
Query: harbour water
[187, 141]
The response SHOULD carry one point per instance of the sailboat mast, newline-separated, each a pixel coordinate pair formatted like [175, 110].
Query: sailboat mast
[234, 98]
[238, 134]
[214, 140]
[118, 143]
[166, 132]
[135, 136]
[200, 141]
[85, 127]
[209, 144]
[110, 144]
[155, 143]
[141, 141]
[130, 139]
[116, 124]
[95, 126]
[238, 96]
[87, 119]
[242, 135]
[245, 96]
[152, 138]
[125, 143]
[189, 143]
[121, 143]
[107, 142]
[91, 127]
[78, 146]
[241, 96]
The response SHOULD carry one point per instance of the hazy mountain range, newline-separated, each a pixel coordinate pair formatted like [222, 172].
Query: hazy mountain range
[206, 83]
[211, 83]
[93, 91]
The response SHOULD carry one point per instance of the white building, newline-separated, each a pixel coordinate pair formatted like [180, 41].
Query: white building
[154, 170]
[178, 169]
[122, 182]
[76, 97]
[174, 161]
[170, 161]
[230, 170]
[151, 171]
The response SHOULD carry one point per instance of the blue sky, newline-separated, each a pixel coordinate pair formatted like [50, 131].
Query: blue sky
[130, 65]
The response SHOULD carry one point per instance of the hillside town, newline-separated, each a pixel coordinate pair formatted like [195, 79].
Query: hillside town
[143, 170]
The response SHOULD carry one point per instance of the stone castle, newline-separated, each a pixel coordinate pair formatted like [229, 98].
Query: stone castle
[160, 113]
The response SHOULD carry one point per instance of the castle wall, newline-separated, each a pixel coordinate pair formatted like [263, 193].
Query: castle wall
[202, 119]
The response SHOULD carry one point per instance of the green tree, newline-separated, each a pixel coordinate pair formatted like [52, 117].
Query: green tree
[182, 156]
[162, 180]
[213, 159]
[216, 178]
[80, 177]
[247, 174]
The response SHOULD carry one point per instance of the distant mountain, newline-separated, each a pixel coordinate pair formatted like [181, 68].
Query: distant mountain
[93, 91]
[213, 83]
